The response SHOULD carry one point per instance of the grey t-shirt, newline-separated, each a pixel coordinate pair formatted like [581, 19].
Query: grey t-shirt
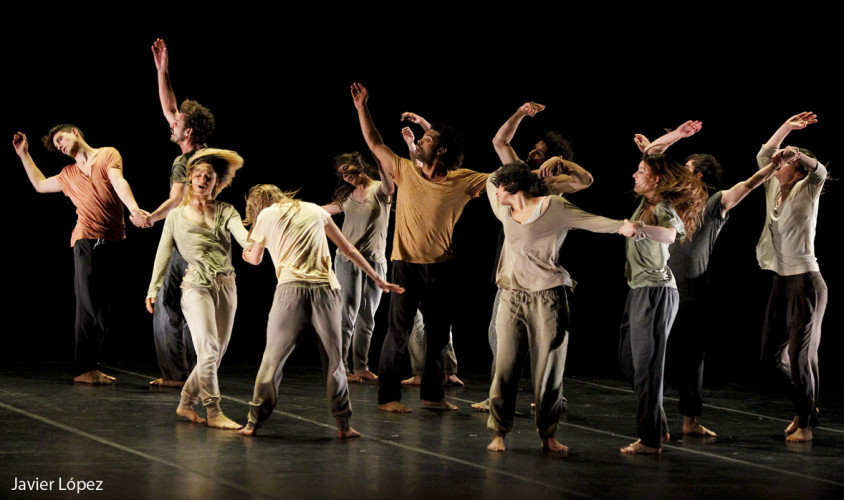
[689, 260]
[365, 224]
[179, 170]
[647, 260]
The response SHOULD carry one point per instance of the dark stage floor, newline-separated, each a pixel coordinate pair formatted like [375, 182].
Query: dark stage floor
[128, 437]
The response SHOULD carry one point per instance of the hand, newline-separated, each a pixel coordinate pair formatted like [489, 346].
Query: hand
[389, 287]
[689, 128]
[641, 141]
[408, 137]
[553, 167]
[412, 118]
[628, 229]
[160, 55]
[801, 120]
[21, 144]
[359, 95]
[531, 108]
[788, 154]
[141, 219]
[150, 301]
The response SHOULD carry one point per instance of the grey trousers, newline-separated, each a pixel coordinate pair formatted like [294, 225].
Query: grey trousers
[535, 322]
[416, 345]
[173, 345]
[648, 315]
[360, 298]
[297, 307]
[792, 334]
[210, 316]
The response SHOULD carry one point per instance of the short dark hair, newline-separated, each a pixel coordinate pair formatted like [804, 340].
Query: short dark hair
[200, 119]
[557, 145]
[64, 127]
[707, 165]
[517, 177]
[452, 141]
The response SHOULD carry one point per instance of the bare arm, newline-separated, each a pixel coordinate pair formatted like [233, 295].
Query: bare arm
[370, 134]
[177, 193]
[334, 234]
[501, 141]
[254, 253]
[121, 187]
[731, 197]
[414, 118]
[796, 122]
[162, 260]
[165, 91]
[657, 233]
[388, 185]
[36, 178]
[410, 140]
[563, 176]
[332, 208]
[660, 144]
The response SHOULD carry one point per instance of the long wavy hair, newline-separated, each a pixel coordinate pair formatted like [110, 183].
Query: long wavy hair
[357, 165]
[262, 196]
[686, 193]
[224, 163]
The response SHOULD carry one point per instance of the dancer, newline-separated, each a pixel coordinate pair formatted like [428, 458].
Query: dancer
[429, 202]
[792, 329]
[366, 204]
[201, 229]
[689, 262]
[533, 313]
[672, 201]
[307, 296]
[95, 185]
[190, 127]
[552, 155]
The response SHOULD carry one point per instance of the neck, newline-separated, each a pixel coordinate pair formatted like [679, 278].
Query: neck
[188, 145]
[202, 201]
[435, 169]
[522, 201]
[83, 153]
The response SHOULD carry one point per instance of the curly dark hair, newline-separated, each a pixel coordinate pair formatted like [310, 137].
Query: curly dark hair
[357, 165]
[707, 165]
[452, 141]
[557, 145]
[686, 193]
[200, 119]
[64, 127]
[517, 177]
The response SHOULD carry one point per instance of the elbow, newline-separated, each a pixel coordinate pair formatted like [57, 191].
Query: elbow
[499, 142]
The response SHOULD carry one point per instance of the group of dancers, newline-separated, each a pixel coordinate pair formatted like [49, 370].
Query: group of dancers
[669, 240]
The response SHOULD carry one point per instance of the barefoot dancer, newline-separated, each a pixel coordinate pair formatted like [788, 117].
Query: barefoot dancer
[190, 126]
[366, 205]
[533, 313]
[307, 296]
[201, 229]
[792, 330]
[672, 200]
[689, 262]
[95, 185]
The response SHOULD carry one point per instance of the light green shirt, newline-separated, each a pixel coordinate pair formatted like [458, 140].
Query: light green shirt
[647, 260]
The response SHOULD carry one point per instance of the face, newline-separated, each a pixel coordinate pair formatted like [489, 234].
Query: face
[427, 147]
[644, 180]
[352, 174]
[690, 166]
[538, 154]
[203, 180]
[177, 128]
[787, 173]
[66, 142]
[503, 196]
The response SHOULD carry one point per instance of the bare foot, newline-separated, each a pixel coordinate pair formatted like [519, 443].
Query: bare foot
[94, 377]
[551, 444]
[442, 404]
[482, 407]
[367, 375]
[692, 428]
[800, 435]
[353, 378]
[497, 444]
[638, 448]
[793, 426]
[160, 382]
[188, 413]
[394, 407]
[414, 380]
[223, 422]
[247, 431]
[348, 433]
[453, 381]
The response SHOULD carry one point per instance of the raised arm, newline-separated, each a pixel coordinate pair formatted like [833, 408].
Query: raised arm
[334, 234]
[731, 197]
[388, 185]
[660, 144]
[165, 91]
[563, 176]
[414, 118]
[39, 182]
[501, 141]
[410, 140]
[796, 122]
[373, 139]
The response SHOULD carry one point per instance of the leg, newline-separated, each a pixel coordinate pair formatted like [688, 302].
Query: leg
[402, 310]
[775, 340]
[365, 323]
[689, 338]
[351, 285]
[450, 364]
[173, 346]
[483, 406]
[416, 348]
[93, 273]
[436, 306]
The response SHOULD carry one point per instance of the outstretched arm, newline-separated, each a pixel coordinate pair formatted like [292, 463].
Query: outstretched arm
[177, 193]
[659, 234]
[796, 122]
[332, 208]
[165, 91]
[39, 182]
[731, 197]
[501, 141]
[334, 234]
[373, 138]
[659, 145]
[563, 176]
[124, 192]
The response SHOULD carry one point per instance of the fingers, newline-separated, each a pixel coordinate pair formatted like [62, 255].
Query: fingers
[149, 302]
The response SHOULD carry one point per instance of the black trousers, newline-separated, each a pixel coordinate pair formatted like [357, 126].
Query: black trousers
[173, 343]
[689, 339]
[428, 287]
[95, 282]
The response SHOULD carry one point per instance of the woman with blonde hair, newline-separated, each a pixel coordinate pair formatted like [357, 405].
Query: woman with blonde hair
[201, 229]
